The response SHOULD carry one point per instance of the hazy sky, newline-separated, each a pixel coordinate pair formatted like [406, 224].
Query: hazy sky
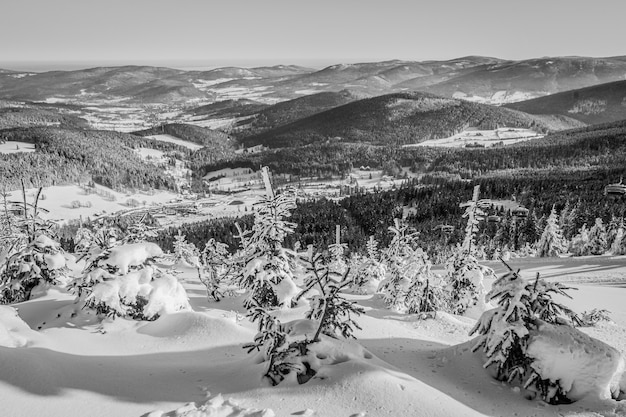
[295, 31]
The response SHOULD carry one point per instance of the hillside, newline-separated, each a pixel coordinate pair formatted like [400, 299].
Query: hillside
[289, 111]
[31, 116]
[519, 80]
[398, 119]
[476, 78]
[65, 156]
[592, 105]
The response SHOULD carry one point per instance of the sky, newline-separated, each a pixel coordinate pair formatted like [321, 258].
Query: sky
[313, 32]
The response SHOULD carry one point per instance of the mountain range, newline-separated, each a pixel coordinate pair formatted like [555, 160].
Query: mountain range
[483, 79]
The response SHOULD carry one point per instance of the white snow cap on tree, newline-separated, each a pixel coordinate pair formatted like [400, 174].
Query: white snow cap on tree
[551, 243]
[133, 254]
[581, 364]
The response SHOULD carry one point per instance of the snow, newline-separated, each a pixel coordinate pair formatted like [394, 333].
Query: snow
[582, 365]
[216, 406]
[132, 254]
[399, 365]
[173, 139]
[43, 242]
[54, 261]
[15, 147]
[485, 138]
[14, 332]
[58, 200]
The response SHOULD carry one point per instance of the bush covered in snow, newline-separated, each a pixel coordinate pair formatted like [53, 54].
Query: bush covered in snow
[529, 339]
[123, 281]
[29, 255]
[287, 355]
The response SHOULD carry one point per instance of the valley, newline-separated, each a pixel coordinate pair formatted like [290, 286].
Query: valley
[367, 239]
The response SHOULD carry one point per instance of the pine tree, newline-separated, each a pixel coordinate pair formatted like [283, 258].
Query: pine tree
[185, 252]
[32, 256]
[615, 234]
[337, 253]
[551, 243]
[267, 272]
[463, 272]
[597, 238]
[579, 246]
[619, 243]
[218, 268]
[403, 263]
[368, 271]
[504, 331]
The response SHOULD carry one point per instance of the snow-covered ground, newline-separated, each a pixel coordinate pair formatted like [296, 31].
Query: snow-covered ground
[177, 141]
[15, 147]
[59, 201]
[54, 364]
[483, 138]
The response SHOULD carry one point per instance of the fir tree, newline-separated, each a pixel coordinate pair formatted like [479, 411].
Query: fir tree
[218, 268]
[267, 272]
[464, 274]
[31, 256]
[597, 238]
[551, 243]
[579, 246]
[504, 331]
[368, 271]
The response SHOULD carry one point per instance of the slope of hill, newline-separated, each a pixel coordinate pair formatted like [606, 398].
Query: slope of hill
[31, 116]
[592, 105]
[289, 111]
[399, 118]
[475, 78]
[228, 109]
[72, 155]
[520, 80]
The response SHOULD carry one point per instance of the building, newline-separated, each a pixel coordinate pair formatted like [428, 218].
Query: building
[252, 149]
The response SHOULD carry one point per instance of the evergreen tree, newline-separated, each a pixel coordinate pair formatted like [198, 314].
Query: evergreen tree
[463, 272]
[551, 243]
[368, 271]
[579, 246]
[267, 272]
[30, 254]
[597, 238]
[504, 331]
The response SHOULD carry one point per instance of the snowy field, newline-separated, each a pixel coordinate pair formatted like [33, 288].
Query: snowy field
[483, 138]
[175, 140]
[54, 364]
[15, 147]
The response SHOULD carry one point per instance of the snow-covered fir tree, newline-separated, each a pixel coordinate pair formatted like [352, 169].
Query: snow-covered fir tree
[410, 286]
[218, 268]
[464, 274]
[510, 333]
[402, 264]
[328, 306]
[267, 273]
[367, 271]
[184, 252]
[121, 279]
[337, 252]
[286, 353]
[551, 243]
[618, 245]
[615, 234]
[597, 244]
[579, 246]
[30, 256]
